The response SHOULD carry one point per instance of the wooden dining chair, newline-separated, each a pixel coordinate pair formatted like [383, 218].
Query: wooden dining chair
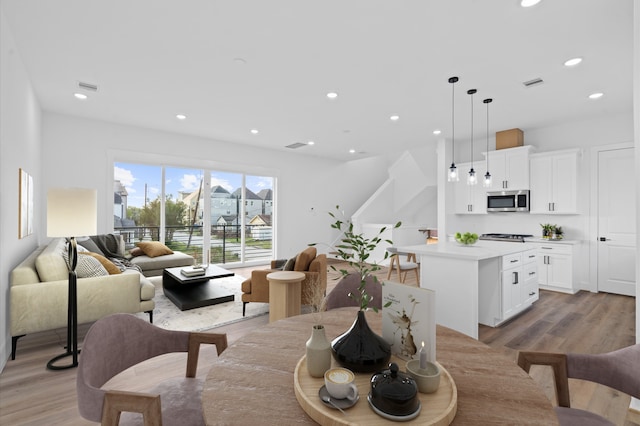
[619, 370]
[117, 342]
[402, 266]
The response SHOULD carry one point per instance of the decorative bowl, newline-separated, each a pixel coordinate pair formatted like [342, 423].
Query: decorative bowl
[466, 239]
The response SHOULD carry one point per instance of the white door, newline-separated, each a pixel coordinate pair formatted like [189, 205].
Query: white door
[616, 222]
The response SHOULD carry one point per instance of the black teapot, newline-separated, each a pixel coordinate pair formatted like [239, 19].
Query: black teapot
[394, 394]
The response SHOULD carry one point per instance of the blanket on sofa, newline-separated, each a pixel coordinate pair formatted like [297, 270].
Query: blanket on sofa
[112, 247]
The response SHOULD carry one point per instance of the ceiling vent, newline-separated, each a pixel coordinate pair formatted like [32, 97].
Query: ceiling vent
[534, 82]
[88, 86]
[296, 145]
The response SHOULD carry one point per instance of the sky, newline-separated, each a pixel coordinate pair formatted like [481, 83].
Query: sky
[135, 176]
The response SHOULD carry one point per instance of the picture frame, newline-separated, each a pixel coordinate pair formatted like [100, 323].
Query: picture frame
[25, 204]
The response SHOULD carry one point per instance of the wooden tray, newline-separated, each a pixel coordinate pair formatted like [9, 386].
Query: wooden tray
[438, 408]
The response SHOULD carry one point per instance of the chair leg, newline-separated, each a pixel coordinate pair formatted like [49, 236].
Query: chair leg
[150, 316]
[14, 344]
[417, 270]
[244, 308]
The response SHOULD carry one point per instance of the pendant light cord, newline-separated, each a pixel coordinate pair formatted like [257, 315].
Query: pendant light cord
[471, 92]
[453, 81]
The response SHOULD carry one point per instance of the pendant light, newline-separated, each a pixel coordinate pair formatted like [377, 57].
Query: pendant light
[472, 179]
[487, 176]
[453, 170]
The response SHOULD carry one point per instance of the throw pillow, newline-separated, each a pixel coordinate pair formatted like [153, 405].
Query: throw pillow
[111, 268]
[304, 259]
[136, 251]
[289, 265]
[87, 266]
[154, 248]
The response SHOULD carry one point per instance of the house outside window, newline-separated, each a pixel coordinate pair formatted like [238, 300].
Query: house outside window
[172, 210]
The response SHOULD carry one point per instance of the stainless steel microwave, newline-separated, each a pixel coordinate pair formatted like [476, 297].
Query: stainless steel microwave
[508, 201]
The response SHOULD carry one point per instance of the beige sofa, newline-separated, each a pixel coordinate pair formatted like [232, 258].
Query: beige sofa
[39, 291]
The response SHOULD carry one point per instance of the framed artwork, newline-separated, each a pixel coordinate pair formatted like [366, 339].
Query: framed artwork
[25, 204]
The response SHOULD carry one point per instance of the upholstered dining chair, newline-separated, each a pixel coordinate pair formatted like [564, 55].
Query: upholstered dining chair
[339, 297]
[402, 266]
[619, 370]
[117, 342]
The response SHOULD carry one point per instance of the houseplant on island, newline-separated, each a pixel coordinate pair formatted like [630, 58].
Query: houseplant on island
[359, 349]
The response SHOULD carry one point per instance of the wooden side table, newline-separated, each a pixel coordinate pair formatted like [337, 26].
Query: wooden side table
[285, 294]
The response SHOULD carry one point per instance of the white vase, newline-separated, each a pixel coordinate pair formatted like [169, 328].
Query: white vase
[318, 352]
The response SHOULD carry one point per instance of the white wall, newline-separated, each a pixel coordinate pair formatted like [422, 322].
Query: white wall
[636, 115]
[80, 151]
[19, 148]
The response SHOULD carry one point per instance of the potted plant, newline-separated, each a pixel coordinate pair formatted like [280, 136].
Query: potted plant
[359, 349]
[547, 230]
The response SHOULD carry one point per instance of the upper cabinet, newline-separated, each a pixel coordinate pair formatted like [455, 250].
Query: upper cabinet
[509, 168]
[470, 199]
[554, 180]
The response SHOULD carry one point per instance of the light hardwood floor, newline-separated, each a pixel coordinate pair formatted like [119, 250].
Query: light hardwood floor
[585, 322]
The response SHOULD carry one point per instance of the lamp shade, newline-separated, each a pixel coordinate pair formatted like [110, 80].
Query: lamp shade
[72, 212]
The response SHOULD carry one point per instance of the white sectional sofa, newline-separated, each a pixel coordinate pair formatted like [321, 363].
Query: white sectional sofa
[39, 290]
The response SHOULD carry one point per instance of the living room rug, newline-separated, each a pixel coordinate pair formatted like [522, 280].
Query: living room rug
[167, 315]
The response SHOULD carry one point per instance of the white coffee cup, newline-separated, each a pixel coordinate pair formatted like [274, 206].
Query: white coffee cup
[340, 383]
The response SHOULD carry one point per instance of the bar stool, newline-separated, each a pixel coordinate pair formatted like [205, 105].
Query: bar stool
[402, 266]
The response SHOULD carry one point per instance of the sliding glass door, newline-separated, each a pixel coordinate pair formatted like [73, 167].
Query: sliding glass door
[168, 204]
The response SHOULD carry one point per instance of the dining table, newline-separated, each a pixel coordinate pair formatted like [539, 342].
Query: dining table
[252, 382]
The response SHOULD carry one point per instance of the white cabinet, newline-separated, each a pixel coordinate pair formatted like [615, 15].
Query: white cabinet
[514, 289]
[511, 284]
[470, 199]
[509, 168]
[531, 291]
[519, 282]
[554, 182]
[556, 266]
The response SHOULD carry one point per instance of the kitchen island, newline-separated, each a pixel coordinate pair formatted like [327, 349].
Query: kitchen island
[488, 282]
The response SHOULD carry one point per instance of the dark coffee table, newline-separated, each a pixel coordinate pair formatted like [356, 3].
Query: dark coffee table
[195, 292]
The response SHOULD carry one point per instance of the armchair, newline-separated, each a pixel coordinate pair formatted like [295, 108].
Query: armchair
[314, 267]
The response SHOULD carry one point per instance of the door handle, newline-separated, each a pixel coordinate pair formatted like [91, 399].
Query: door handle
[604, 239]
[515, 278]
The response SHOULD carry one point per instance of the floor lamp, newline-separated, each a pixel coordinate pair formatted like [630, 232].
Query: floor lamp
[71, 212]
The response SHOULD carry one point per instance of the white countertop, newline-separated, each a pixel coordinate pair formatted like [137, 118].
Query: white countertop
[479, 251]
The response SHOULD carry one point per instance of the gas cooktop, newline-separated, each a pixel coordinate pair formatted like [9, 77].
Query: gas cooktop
[519, 238]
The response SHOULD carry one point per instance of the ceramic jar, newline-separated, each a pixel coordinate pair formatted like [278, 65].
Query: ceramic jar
[318, 352]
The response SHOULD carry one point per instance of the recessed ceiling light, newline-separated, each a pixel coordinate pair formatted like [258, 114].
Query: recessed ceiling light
[572, 62]
[437, 132]
[394, 118]
[352, 151]
[254, 131]
[311, 143]
[181, 117]
[80, 96]
[596, 95]
[332, 95]
[529, 3]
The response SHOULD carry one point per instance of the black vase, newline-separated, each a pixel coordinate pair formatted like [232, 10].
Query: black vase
[361, 350]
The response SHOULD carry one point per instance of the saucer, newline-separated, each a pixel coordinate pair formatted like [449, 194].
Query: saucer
[342, 403]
